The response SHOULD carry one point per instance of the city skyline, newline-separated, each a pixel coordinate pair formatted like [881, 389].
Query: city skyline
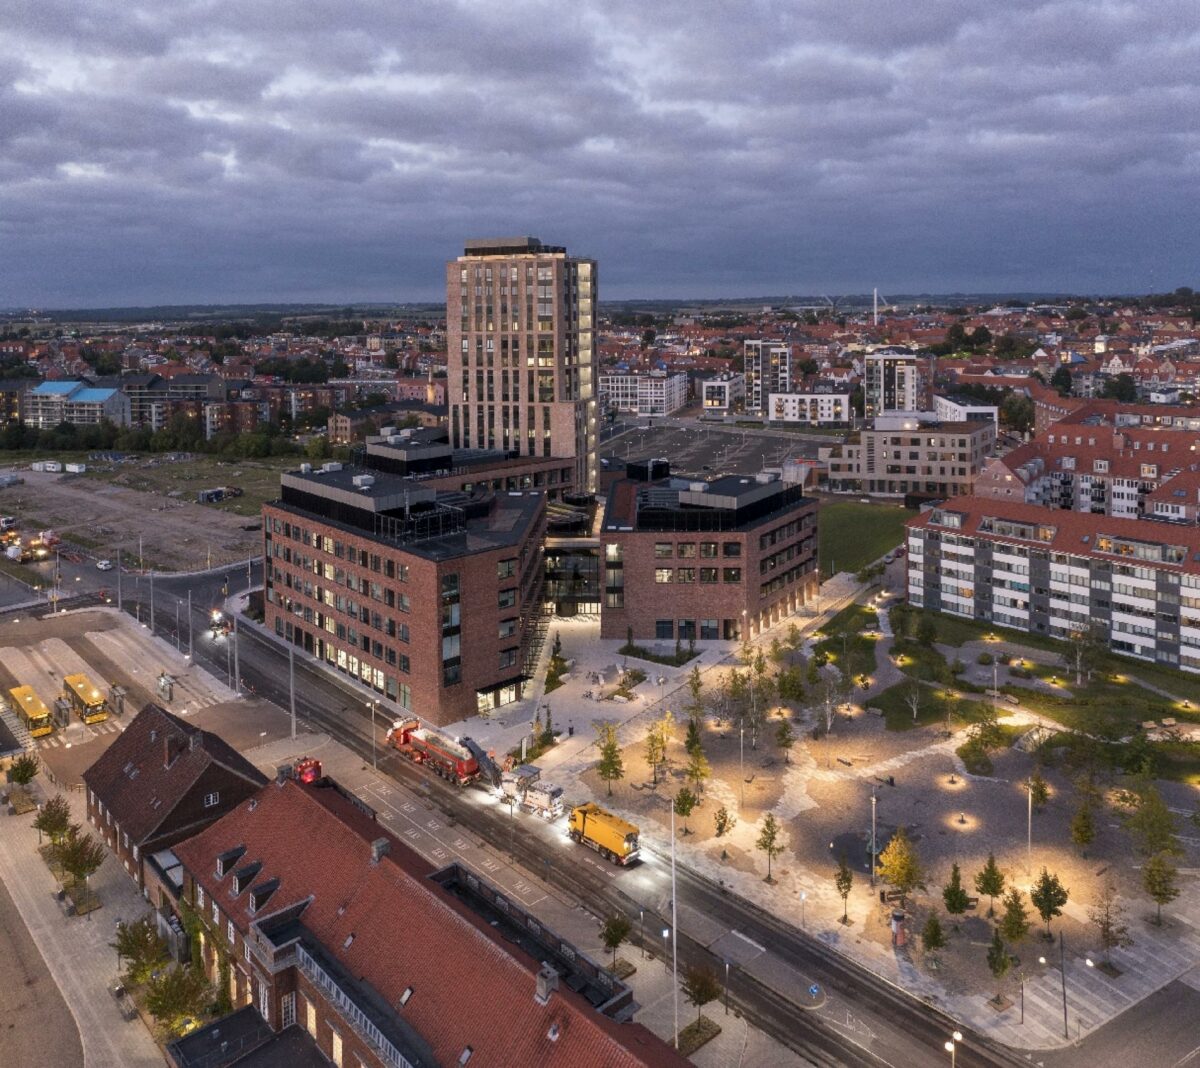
[244, 155]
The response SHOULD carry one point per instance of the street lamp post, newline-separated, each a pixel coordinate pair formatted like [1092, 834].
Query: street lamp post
[952, 1046]
[374, 757]
[1062, 967]
[873, 843]
[1029, 830]
[742, 762]
[727, 988]
[642, 938]
[803, 898]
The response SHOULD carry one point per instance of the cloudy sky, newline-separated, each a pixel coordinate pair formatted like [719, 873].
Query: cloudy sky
[212, 150]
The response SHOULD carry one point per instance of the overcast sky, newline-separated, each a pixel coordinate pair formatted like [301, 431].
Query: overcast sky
[221, 151]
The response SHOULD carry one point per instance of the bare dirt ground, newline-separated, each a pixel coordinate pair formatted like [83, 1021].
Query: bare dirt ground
[177, 534]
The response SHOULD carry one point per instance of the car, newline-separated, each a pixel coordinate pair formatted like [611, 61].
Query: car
[104, 565]
[864, 500]
[889, 558]
[900, 552]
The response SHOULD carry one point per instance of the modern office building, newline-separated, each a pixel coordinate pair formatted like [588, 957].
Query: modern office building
[656, 393]
[705, 561]
[961, 410]
[768, 369]
[904, 456]
[521, 353]
[1059, 573]
[893, 381]
[429, 597]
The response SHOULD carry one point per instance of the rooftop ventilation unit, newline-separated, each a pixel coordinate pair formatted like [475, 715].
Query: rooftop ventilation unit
[364, 482]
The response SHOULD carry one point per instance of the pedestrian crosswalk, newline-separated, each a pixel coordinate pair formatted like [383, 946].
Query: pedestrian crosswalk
[79, 733]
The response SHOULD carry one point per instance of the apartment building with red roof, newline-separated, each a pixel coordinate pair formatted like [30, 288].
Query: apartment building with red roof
[333, 929]
[1061, 573]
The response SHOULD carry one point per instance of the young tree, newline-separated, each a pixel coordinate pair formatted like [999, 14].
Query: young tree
[990, 883]
[177, 993]
[698, 770]
[723, 821]
[912, 697]
[1083, 826]
[700, 986]
[785, 738]
[654, 750]
[80, 855]
[843, 881]
[953, 895]
[685, 803]
[813, 675]
[927, 629]
[899, 864]
[1048, 896]
[666, 731]
[611, 767]
[1108, 916]
[1158, 880]
[24, 769]
[933, 937]
[1014, 924]
[615, 930]
[693, 742]
[789, 685]
[546, 738]
[54, 819]
[768, 841]
[695, 706]
[1039, 791]
[142, 948]
[1153, 824]
[999, 962]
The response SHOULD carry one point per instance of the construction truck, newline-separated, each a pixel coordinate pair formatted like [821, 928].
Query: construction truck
[610, 836]
[522, 786]
[423, 745]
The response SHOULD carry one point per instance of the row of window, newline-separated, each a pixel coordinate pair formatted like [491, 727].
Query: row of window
[708, 629]
[664, 550]
[688, 574]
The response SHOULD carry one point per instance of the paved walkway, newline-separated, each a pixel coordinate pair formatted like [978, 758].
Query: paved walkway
[75, 949]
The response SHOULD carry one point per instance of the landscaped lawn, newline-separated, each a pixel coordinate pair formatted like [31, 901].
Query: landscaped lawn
[846, 638]
[851, 535]
[935, 702]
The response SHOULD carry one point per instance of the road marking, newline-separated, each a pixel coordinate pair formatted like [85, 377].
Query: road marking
[749, 941]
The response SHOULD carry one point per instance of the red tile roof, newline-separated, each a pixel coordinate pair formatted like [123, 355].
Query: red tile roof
[1074, 532]
[139, 787]
[390, 925]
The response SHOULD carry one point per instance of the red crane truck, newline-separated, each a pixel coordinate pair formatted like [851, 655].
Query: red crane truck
[443, 755]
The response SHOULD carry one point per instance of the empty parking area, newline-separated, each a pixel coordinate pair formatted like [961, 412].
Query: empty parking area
[694, 449]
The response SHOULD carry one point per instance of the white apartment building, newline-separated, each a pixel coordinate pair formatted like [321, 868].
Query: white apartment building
[656, 393]
[892, 382]
[824, 405]
[722, 395]
[1059, 573]
[953, 410]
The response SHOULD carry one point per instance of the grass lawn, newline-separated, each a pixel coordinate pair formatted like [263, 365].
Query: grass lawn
[845, 637]
[897, 714]
[851, 535]
[1104, 708]
[954, 630]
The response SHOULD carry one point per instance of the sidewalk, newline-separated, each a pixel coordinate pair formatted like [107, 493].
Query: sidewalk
[76, 949]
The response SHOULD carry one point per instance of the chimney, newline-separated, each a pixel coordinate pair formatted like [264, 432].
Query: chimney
[195, 741]
[380, 849]
[283, 772]
[547, 983]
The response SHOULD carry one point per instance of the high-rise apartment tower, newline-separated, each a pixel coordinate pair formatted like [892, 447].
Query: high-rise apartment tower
[520, 320]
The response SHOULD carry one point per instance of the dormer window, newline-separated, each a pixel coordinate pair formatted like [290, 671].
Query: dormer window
[261, 894]
[244, 876]
[226, 860]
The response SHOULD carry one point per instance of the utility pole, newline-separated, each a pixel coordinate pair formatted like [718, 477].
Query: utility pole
[118, 580]
[177, 644]
[249, 576]
[151, 602]
[292, 686]
[1029, 831]
[189, 624]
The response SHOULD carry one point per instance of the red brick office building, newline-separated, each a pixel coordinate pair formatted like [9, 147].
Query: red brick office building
[372, 572]
[708, 561]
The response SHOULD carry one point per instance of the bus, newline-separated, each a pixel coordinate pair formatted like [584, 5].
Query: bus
[87, 701]
[35, 715]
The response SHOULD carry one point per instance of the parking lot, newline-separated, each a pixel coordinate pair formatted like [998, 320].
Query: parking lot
[704, 450]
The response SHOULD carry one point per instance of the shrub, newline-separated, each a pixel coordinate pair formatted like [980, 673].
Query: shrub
[986, 659]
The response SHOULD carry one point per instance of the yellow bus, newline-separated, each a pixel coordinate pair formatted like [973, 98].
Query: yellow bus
[32, 711]
[87, 701]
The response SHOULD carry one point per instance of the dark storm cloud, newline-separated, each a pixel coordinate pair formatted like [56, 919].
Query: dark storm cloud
[220, 150]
